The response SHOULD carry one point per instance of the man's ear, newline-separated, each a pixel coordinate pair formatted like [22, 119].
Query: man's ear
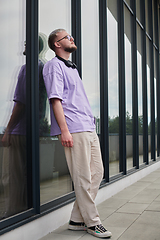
[56, 44]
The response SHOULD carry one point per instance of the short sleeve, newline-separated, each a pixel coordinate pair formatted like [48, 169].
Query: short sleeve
[54, 83]
[20, 91]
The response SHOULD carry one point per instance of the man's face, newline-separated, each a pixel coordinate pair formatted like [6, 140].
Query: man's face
[66, 42]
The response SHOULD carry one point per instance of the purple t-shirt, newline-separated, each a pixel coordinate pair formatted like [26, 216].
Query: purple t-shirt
[64, 83]
[20, 96]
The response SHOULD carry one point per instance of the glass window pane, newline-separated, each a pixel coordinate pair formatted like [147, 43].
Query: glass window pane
[138, 10]
[153, 16]
[90, 56]
[54, 174]
[113, 87]
[128, 78]
[128, 2]
[149, 96]
[146, 14]
[155, 93]
[13, 164]
[140, 93]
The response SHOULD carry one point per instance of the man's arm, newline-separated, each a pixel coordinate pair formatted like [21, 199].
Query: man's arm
[17, 113]
[66, 137]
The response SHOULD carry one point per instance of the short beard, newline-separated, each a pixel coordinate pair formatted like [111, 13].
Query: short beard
[71, 49]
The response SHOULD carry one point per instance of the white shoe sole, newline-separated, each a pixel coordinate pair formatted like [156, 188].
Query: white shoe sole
[77, 228]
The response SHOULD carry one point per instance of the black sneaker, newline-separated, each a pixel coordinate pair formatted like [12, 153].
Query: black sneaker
[77, 226]
[99, 231]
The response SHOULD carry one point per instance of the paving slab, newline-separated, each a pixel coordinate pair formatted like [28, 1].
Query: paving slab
[154, 185]
[112, 202]
[133, 213]
[141, 184]
[105, 213]
[154, 206]
[133, 208]
[157, 180]
[150, 178]
[123, 220]
[157, 199]
[147, 227]
[54, 236]
[128, 193]
[146, 196]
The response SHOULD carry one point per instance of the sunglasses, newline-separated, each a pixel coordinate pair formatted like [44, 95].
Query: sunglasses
[66, 37]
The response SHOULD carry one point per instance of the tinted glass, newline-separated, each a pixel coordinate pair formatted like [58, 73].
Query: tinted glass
[113, 87]
[149, 95]
[147, 16]
[138, 15]
[55, 179]
[13, 164]
[128, 79]
[140, 92]
[155, 92]
[90, 56]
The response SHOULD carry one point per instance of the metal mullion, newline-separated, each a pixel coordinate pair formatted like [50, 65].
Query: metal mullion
[158, 100]
[135, 88]
[150, 16]
[15, 221]
[104, 86]
[33, 102]
[157, 73]
[122, 107]
[144, 85]
[58, 203]
[76, 32]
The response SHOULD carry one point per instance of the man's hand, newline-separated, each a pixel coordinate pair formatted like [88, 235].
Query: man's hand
[66, 139]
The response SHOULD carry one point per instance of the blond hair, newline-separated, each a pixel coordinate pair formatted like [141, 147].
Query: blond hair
[52, 38]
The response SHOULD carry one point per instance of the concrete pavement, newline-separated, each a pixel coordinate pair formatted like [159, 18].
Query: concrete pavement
[131, 214]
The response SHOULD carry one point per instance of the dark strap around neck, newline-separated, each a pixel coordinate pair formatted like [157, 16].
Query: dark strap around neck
[68, 63]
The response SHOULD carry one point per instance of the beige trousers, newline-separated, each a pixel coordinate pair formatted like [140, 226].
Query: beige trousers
[85, 165]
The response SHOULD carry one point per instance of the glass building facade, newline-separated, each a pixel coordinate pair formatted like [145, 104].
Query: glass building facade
[118, 60]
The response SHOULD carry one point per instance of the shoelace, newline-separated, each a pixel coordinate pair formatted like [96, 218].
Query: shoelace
[100, 228]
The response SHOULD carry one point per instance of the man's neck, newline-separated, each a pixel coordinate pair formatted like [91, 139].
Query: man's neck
[64, 55]
[68, 63]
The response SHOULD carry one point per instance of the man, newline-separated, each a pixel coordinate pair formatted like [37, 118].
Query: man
[73, 122]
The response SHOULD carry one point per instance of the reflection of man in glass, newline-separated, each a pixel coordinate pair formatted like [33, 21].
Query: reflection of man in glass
[72, 120]
[14, 139]
[14, 166]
